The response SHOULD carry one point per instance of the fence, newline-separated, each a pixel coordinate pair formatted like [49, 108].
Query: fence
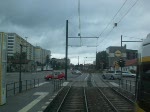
[13, 88]
[128, 85]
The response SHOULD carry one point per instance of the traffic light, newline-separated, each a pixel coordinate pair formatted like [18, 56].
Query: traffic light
[121, 62]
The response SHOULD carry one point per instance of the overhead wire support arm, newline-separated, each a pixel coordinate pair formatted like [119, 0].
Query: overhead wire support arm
[83, 37]
[132, 41]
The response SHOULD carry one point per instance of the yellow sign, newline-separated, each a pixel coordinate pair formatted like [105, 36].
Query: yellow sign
[118, 53]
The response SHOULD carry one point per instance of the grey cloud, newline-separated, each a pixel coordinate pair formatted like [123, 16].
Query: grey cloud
[44, 22]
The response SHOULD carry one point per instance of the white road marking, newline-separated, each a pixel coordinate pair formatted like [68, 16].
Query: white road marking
[44, 107]
[47, 103]
[41, 84]
[65, 84]
[86, 77]
[114, 84]
[34, 102]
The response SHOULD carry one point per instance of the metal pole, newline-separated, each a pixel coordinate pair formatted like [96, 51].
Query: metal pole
[26, 55]
[20, 83]
[121, 56]
[78, 61]
[66, 50]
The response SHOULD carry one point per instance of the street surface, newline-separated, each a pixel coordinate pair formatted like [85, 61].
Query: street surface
[37, 99]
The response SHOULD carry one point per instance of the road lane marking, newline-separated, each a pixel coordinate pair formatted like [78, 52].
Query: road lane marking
[86, 77]
[44, 107]
[34, 102]
[47, 103]
[114, 84]
[65, 84]
[41, 84]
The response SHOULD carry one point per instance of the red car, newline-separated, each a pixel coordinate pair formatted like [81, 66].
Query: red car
[55, 75]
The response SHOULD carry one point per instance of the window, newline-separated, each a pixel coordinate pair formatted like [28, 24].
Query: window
[10, 37]
[10, 43]
[10, 40]
[10, 46]
[10, 49]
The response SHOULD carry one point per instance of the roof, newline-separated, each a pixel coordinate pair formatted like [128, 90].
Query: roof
[132, 62]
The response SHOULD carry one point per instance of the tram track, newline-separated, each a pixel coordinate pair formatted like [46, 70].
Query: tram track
[89, 99]
[117, 101]
[70, 99]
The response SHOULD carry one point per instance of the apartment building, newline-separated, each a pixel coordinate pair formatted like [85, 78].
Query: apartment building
[34, 53]
[13, 45]
[41, 54]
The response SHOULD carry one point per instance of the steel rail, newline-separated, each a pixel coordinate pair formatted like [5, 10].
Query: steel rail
[86, 102]
[104, 96]
[63, 99]
[62, 102]
[119, 92]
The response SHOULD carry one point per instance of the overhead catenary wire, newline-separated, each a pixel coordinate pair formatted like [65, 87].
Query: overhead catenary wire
[113, 18]
[128, 11]
[119, 20]
[132, 37]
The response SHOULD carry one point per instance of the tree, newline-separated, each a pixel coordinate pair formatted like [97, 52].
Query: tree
[47, 60]
[101, 60]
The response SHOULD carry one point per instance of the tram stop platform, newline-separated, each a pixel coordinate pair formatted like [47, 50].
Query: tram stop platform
[32, 100]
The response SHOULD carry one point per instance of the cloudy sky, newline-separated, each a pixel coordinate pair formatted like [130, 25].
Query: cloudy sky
[44, 23]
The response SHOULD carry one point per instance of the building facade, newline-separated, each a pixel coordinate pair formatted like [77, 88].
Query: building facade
[128, 55]
[41, 54]
[33, 53]
[114, 54]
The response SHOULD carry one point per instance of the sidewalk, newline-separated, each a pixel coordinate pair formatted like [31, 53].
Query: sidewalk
[33, 100]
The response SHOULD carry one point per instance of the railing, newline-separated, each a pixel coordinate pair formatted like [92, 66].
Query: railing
[13, 88]
[128, 85]
[57, 84]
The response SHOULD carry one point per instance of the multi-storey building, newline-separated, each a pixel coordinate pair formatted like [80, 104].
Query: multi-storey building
[41, 54]
[34, 53]
[114, 54]
[14, 41]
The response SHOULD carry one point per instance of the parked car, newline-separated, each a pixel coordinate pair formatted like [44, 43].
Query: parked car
[55, 75]
[76, 72]
[128, 74]
[112, 75]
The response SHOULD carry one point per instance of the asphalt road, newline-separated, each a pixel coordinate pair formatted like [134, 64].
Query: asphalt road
[14, 77]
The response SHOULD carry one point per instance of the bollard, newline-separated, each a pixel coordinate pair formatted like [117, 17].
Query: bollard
[119, 83]
[26, 85]
[6, 90]
[126, 84]
[38, 82]
[14, 88]
[34, 83]
[30, 83]
[54, 84]
[130, 86]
